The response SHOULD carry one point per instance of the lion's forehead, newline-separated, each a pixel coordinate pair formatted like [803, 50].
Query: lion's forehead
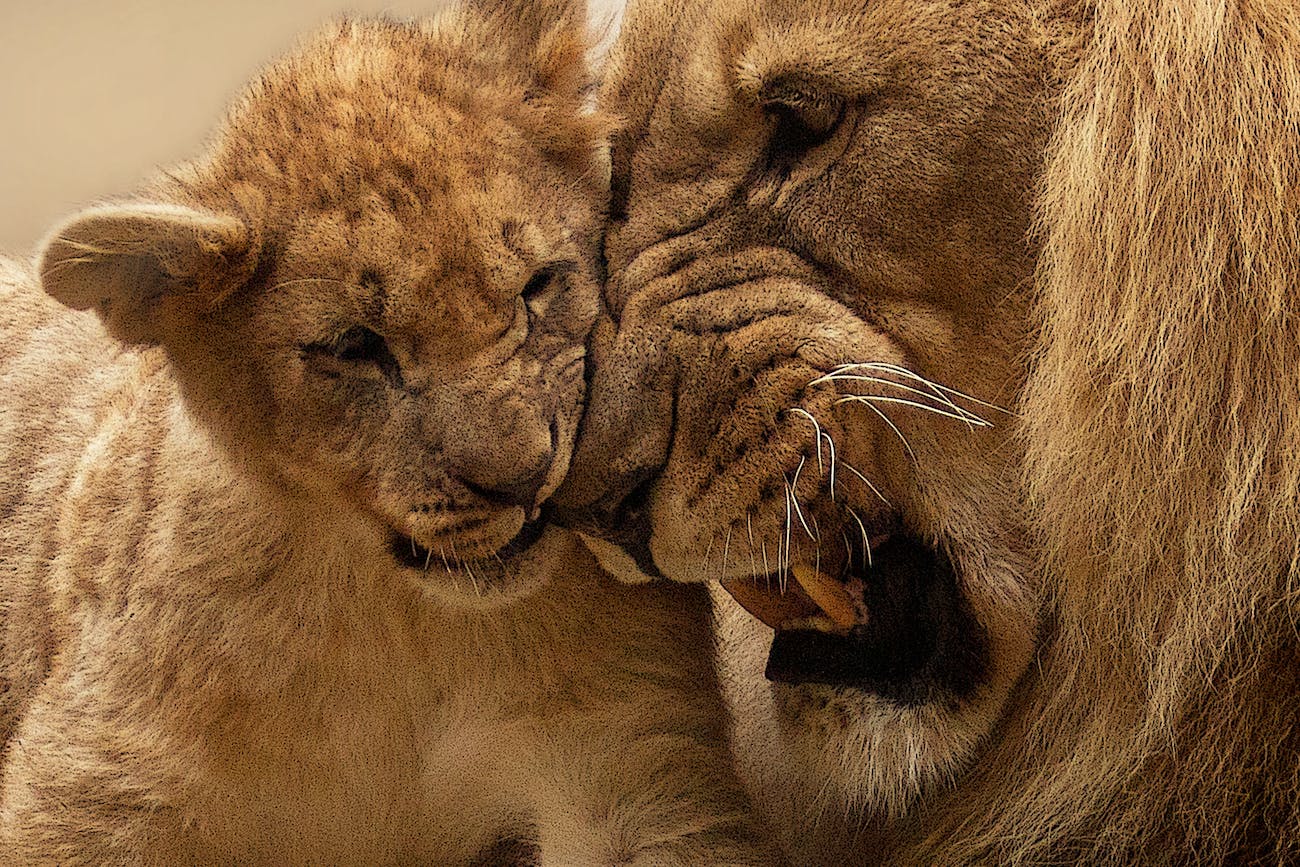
[420, 207]
[938, 97]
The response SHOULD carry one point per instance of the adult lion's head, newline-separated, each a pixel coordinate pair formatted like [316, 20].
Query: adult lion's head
[968, 325]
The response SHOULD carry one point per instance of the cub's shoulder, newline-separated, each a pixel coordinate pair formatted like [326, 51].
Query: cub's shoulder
[49, 353]
[21, 300]
[14, 273]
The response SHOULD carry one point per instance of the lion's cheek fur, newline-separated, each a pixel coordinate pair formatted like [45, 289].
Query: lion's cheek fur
[812, 295]
[1129, 168]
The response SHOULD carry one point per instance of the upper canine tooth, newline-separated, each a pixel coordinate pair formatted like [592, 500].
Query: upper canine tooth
[828, 593]
[770, 605]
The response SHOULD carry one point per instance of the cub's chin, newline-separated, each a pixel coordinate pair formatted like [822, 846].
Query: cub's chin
[512, 570]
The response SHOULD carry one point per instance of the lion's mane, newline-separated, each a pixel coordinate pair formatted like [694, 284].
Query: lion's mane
[1162, 723]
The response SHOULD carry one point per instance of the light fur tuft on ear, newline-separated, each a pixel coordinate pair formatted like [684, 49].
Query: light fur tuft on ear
[124, 259]
[547, 44]
[548, 38]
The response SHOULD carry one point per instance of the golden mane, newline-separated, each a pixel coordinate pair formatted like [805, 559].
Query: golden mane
[1163, 422]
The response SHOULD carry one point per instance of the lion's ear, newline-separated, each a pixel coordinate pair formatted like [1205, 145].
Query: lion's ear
[138, 263]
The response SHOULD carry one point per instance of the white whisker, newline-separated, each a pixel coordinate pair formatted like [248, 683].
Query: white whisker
[831, 443]
[866, 539]
[867, 482]
[912, 375]
[965, 414]
[767, 571]
[794, 486]
[817, 546]
[726, 550]
[789, 525]
[817, 431]
[464, 566]
[893, 427]
[878, 398]
[749, 531]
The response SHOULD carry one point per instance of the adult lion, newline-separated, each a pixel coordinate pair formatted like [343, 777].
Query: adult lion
[844, 238]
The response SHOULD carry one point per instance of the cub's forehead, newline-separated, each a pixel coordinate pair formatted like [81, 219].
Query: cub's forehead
[403, 111]
[467, 240]
[397, 150]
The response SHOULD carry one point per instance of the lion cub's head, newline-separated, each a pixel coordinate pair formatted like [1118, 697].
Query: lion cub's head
[376, 286]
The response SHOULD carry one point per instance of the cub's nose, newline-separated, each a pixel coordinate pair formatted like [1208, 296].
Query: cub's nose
[504, 482]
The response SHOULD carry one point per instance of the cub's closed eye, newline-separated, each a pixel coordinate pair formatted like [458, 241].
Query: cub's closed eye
[359, 343]
[356, 346]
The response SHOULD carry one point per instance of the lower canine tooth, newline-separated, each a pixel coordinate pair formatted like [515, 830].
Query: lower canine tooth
[828, 593]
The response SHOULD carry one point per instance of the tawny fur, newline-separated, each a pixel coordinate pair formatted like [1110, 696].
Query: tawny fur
[779, 375]
[1146, 331]
[210, 652]
[1163, 419]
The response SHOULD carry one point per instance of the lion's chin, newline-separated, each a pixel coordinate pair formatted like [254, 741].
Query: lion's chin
[888, 618]
[845, 752]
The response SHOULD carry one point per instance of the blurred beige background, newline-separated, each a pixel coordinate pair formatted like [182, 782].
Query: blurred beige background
[96, 93]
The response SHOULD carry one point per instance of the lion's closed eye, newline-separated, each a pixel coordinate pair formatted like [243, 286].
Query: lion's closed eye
[802, 116]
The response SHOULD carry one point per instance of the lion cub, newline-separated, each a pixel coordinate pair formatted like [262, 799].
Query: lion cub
[263, 522]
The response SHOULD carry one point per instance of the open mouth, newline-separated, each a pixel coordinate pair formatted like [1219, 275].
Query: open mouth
[413, 555]
[891, 619]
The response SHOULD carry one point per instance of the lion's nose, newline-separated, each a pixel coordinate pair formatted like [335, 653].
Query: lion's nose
[506, 483]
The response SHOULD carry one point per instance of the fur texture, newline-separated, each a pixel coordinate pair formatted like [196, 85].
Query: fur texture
[808, 185]
[261, 554]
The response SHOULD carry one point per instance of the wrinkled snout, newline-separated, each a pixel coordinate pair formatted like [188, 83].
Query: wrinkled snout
[511, 475]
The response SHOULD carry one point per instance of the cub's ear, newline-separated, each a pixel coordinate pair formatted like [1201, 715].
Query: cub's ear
[547, 42]
[143, 265]
[549, 38]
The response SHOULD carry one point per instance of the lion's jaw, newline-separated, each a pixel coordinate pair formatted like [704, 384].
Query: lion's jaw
[816, 317]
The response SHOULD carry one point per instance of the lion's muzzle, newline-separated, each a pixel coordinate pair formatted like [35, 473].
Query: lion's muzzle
[914, 638]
